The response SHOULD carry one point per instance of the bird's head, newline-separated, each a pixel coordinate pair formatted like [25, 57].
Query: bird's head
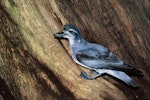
[69, 32]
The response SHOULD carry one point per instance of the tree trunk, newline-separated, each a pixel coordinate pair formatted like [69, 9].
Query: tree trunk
[36, 66]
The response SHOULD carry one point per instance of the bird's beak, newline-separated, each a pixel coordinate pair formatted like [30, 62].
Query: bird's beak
[59, 35]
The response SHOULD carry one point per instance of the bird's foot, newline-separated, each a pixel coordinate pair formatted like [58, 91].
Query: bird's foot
[93, 72]
[85, 76]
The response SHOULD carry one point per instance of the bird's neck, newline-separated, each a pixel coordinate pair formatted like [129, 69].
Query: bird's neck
[77, 43]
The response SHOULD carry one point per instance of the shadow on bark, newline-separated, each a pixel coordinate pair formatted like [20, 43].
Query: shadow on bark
[15, 58]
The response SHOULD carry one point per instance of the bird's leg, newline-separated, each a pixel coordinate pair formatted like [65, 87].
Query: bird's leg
[85, 76]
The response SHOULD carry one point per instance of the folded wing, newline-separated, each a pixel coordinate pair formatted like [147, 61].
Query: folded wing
[104, 60]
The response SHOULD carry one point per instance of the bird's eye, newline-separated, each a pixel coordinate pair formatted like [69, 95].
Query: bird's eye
[62, 32]
[70, 31]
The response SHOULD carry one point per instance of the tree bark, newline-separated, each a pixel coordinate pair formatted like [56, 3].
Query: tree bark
[36, 66]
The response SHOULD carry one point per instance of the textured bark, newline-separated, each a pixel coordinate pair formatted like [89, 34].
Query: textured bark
[35, 66]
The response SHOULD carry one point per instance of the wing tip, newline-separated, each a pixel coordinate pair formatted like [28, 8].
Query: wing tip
[137, 72]
[134, 72]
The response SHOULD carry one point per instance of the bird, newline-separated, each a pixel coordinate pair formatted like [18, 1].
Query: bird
[97, 58]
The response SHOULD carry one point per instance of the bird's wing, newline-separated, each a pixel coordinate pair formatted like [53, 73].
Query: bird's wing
[92, 53]
[103, 60]
[94, 58]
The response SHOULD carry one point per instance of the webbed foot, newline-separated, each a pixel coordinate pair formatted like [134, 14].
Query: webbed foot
[87, 77]
[93, 72]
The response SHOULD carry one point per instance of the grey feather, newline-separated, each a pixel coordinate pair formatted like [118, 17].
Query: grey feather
[96, 57]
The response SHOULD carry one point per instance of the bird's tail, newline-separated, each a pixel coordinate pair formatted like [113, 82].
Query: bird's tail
[123, 77]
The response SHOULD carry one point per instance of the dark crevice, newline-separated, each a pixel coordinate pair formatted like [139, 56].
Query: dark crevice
[5, 92]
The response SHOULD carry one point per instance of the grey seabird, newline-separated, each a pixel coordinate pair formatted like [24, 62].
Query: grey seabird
[97, 58]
